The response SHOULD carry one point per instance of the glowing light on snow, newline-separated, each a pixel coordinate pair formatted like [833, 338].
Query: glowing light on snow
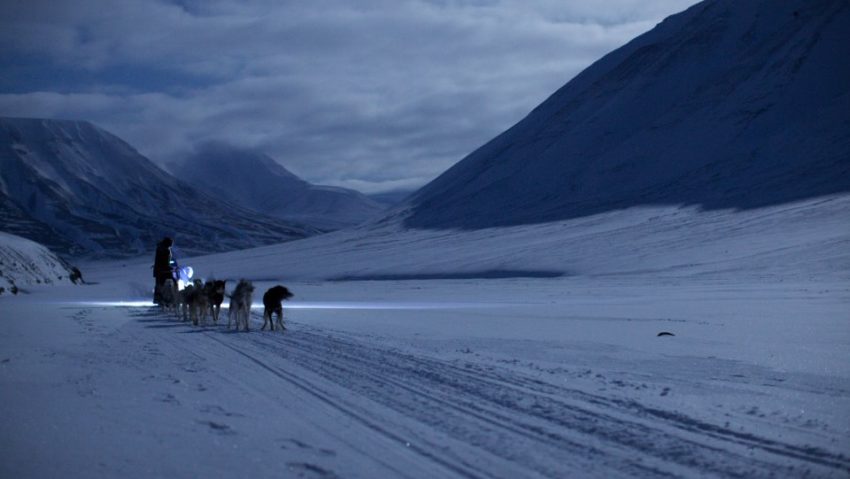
[341, 305]
[116, 304]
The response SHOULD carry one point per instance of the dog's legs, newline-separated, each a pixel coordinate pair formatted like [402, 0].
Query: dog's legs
[280, 321]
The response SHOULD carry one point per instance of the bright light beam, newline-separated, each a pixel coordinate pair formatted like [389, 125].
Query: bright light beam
[342, 305]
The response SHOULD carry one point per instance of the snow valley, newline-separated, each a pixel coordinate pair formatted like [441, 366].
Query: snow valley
[592, 293]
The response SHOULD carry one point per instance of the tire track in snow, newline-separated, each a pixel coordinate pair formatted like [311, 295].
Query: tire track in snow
[206, 353]
[539, 426]
[681, 421]
[325, 397]
[495, 411]
[546, 447]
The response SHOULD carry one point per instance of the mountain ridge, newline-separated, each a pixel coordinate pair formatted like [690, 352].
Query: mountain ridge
[725, 105]
[256, 181]
[103, 198]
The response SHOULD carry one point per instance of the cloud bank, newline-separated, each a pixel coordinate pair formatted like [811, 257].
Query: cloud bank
[373, 94]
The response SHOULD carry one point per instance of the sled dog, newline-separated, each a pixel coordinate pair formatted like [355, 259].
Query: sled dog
[197, 302]
[215, 294]
[273, 303]
[168, 295]
[240, 304]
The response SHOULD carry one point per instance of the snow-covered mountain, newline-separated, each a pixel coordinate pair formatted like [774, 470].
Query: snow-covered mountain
[256, 181]
[26, 263]
[83, 191]
[728, 104]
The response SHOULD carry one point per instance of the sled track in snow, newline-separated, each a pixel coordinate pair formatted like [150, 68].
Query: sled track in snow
[535, 425]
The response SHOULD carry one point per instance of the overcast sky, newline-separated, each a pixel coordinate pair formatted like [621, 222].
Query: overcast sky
[369, 94]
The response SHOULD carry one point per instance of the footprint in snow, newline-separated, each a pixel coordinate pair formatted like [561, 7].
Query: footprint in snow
[219, 428]
[307, 447]
[310, 471]
[218, 410]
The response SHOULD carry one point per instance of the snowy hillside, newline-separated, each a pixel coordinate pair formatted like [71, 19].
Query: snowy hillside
[258, 182]
[795, 241]
[729, 104]
[81, 190]
[24, 263]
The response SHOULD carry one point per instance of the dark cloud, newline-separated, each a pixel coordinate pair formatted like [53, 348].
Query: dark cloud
[374, 94]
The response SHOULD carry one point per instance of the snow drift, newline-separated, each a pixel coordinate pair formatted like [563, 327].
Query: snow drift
[727, 105]
[25, 262]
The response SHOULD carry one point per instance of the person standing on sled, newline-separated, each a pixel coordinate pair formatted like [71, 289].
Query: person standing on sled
[163, 266]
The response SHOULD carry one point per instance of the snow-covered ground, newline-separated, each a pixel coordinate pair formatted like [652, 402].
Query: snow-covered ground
[488, 364]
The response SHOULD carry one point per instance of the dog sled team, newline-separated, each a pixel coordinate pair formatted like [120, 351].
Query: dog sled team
[198, 300]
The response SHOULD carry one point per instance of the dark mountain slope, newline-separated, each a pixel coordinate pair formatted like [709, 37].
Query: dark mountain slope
[729, 104]
[83, 191]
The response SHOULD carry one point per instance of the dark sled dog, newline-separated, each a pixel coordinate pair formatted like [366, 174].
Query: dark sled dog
[273, 302]
[197, 302]
[184, 298]
[169, 295]
[240, 304]
[214, 290]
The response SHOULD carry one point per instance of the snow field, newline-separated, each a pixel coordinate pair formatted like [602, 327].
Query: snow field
[383, 378]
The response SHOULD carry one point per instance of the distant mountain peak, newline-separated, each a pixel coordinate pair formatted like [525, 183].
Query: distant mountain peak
[220, 156]
[254, 180]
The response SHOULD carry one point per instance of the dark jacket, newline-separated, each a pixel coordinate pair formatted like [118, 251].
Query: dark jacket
[162, 261]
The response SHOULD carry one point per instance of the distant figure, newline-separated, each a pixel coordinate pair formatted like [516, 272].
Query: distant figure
[163, 267]
[76, 276]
